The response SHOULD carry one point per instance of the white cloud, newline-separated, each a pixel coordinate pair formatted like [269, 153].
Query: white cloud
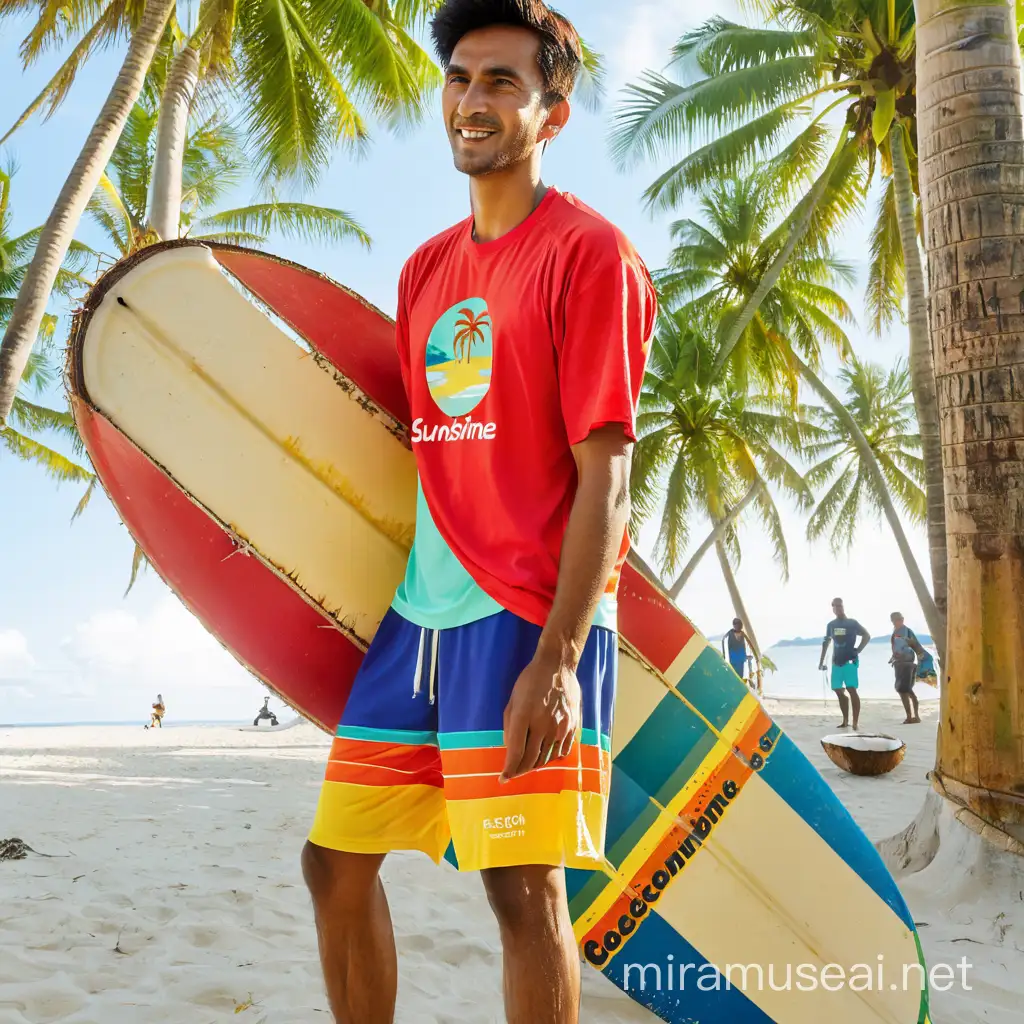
[168, 646]
[15, 659]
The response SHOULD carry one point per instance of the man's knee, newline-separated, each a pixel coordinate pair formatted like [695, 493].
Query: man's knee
[525, 897]
[339, 878]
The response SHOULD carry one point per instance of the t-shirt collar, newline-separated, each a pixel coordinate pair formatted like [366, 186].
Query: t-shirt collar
[513, 236]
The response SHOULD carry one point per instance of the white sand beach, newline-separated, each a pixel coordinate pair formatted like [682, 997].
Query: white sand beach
[171, 889]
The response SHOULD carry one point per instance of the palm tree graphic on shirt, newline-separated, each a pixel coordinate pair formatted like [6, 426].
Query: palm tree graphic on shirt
[469, 329]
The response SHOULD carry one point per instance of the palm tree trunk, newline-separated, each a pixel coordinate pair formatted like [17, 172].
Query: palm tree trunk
[30, 306]
[971, 166]
[737, 599]
[935, 624]
[774, 272]
[171, 134]
[712, 538]
[922, 368]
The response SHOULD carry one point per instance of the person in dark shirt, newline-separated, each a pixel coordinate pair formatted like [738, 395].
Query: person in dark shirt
[906, 649]
[842, 633]
[737, 640]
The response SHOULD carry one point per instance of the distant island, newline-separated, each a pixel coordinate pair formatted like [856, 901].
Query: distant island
[804, 641]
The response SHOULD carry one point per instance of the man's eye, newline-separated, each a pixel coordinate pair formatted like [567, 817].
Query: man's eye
[503, 81]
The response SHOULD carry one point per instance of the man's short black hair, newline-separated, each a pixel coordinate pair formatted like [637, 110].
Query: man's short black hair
[561, 55]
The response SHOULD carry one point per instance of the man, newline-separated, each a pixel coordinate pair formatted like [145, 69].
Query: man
[737, 640]
[842, 633]
[478, 727]
[906, 648]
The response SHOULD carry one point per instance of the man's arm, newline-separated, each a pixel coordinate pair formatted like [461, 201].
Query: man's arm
[543, 713]
[824, 650]
[865, 638]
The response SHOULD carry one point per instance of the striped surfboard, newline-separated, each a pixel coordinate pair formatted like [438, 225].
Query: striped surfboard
[247, 418]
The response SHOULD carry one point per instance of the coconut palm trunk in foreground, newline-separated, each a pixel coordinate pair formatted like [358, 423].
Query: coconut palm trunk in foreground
[922, 368]
[972, 188]
[62, 223]
[171, 134]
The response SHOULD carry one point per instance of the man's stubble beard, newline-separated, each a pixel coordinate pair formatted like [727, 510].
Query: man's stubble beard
[519, 150]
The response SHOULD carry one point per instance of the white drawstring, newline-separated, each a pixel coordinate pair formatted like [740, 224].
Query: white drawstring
[433, 663]
[419, 666]
[432, 677]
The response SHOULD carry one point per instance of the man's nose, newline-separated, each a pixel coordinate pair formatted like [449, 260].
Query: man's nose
[474, 101]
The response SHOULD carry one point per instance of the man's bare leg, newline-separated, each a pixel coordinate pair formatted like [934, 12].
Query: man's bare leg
[855, 704]
[353, 927]
[845, 705]
[541, 966]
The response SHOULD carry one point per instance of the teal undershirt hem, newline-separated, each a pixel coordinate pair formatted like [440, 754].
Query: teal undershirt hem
[438, 592]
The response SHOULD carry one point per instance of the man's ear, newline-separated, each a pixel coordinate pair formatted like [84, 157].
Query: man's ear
[557, 119]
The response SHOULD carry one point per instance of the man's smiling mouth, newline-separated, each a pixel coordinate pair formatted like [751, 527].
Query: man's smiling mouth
[474, 134]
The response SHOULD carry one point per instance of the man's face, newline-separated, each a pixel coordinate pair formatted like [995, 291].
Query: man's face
[837, 608]
[897, 620]
[493, 100]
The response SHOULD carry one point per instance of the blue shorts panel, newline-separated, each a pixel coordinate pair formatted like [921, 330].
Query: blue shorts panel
[845, 676]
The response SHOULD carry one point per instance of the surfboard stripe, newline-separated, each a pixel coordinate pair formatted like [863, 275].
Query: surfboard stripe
[811, 798]
[709, 689]
[702, 995]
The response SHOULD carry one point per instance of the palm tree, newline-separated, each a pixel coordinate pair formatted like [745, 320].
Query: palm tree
[706, 449]
[307, 76]
[56, 236]
[727, 254]
[31, 423]
[719, 261]
[972, 189]
[213, 163]
[882, 406]
[741, 90]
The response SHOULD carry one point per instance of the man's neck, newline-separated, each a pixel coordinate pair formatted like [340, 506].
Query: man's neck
[502, 201]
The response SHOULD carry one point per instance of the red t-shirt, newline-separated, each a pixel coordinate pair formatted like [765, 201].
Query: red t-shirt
[512, 351]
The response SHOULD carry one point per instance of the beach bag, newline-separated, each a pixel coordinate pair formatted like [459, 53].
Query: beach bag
[926, 670]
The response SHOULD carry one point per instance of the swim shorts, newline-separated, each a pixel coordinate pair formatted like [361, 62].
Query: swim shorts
[906, 676]
[739, 663]
[417, 756]
[845, 675]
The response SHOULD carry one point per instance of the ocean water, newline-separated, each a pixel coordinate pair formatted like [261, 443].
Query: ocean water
[798, 676]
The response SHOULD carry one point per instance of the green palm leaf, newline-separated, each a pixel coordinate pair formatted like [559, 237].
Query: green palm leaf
[292, 220]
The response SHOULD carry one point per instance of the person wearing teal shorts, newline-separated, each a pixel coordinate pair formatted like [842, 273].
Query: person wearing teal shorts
[842, 633]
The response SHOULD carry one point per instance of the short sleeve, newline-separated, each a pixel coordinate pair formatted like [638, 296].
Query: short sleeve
[608, 318]
[828, 631]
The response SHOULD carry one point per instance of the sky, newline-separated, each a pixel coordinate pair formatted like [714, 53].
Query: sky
[73, 647]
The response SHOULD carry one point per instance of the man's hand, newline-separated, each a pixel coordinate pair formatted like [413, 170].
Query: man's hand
[542, 716]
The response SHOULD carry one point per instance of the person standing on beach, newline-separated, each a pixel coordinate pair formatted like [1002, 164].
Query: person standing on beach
[842, 633]
[906, 648]
[737, 640]
[478, 727]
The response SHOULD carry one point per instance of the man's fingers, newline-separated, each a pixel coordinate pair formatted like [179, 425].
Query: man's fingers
[537, 746]
[565, 747]
[515, 742]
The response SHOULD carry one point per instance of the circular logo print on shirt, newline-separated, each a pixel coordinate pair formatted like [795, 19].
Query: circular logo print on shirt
[459, 357]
